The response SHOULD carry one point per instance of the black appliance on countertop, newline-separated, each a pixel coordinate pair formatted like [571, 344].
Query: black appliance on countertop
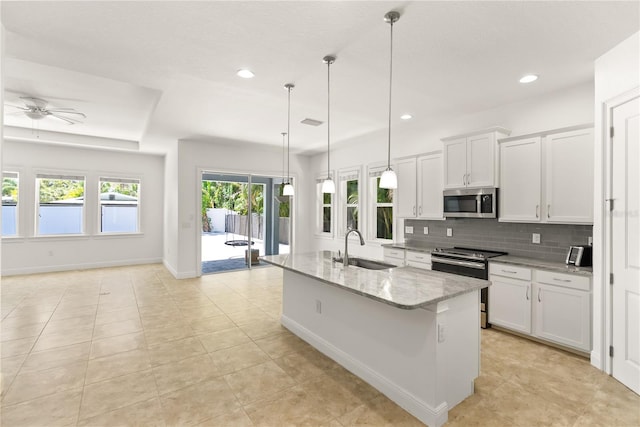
[467, 262]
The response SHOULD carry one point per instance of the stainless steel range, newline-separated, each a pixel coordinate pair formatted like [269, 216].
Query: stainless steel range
[467, 262]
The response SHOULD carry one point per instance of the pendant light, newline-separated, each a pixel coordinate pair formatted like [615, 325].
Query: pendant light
[389, 178]
[288, 187]
[328, 186]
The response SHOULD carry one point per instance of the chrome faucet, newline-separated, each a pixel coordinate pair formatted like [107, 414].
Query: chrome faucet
[345, 259]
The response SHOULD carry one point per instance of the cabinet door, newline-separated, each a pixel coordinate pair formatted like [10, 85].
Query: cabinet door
[480, 161]
[405, 194]
[430, 196]
[519, 195]
[563, 316]
[510, 303]
[455, 163]
[569, 174]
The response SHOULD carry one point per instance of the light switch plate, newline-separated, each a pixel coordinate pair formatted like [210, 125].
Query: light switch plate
[449, 232]
[425, 230]
[408, 229]
[535, 238]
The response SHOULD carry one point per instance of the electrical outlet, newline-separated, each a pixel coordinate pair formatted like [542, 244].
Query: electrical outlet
[318, 306]
[441, 334]
[535, 238]
[408, 229]
[449, 232]
[425, 230]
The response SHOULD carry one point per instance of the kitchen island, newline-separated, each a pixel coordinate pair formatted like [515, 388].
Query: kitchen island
[412, 334]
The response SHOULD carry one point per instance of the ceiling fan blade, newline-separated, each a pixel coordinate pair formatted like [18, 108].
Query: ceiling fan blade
[68, 120]
[31, 101]
[17, 106]
[59, 111]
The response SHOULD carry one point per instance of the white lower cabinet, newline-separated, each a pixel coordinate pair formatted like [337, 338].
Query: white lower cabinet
[418, 260]
[550, 306]
[394, 256]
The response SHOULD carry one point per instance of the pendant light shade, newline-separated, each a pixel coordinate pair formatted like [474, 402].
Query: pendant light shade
[389, 178]
[288, 187]
[328, 186]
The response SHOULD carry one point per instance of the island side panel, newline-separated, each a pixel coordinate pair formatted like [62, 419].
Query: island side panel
[395, 350]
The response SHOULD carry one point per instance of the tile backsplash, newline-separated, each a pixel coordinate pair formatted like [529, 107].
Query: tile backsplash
[514, 238]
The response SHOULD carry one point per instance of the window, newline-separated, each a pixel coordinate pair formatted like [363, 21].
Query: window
[60, 204]
[349, 192]
[325, 209]
[10, 203]
[382, 207]
[119, 211]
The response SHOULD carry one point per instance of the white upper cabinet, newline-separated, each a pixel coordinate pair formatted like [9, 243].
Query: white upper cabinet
[519, 198]
[547, 177]
[405, 194]
[419, 192]
[471, 160]
[430, 197]
[569, 197]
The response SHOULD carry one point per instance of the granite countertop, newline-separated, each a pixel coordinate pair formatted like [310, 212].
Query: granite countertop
[560, 267]
[404, 246]
[402, 287]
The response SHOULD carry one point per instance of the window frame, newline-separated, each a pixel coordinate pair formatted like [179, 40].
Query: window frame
[66, 175]
[132, 179]
[320, 205]
[17, 172]
[345, 175]
[374, 171]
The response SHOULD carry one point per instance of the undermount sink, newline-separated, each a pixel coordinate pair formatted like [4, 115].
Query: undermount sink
[366, 263]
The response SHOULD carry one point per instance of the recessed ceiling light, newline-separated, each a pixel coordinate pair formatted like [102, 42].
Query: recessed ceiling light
[529, 78]
[245, 74]
[406, 116]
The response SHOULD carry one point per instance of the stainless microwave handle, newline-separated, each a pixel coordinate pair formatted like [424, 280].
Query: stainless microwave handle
[476, 265]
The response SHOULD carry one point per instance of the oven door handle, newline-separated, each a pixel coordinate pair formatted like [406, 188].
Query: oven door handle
[476, 265]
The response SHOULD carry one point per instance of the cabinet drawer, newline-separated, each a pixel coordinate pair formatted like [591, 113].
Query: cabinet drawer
[394, 253]
[422, 265]
[422, 257]
[508, 270]
[566, 280]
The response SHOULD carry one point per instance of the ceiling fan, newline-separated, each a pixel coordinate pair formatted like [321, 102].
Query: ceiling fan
[36, 109]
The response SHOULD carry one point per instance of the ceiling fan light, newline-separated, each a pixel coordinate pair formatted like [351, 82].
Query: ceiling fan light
[389, 179]
[328, 186]
[245, 73]
[287, 190]
[34, 115]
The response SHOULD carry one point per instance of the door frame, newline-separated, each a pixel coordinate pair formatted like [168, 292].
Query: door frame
[607, 300]
[200, 171]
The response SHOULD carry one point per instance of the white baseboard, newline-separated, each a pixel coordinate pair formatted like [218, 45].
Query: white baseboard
[595, 360]
[83, 266]
[433, 417]
[169, 267]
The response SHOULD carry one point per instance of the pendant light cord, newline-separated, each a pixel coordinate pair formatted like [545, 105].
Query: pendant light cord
[288, 127]
[328, 116]
[284, 154]
[390, 83]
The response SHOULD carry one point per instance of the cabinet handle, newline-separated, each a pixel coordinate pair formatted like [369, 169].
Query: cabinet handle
[509, 271]
[414, 211]
[527, 293]
[562, 280]
[539, 300]
[464, 179]
[420, 210]
[548, 211]
[537, 208]
[468, 178]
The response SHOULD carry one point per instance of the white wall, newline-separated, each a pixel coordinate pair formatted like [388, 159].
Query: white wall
[31, 254]
[170, 230]
[230, 157]
[616, 72]
[569, 107]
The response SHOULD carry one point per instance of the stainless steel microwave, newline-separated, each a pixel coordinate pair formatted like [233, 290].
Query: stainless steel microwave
[471, 203]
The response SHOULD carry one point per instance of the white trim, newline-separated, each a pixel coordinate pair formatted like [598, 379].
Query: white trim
[81, 266]
[604, 361]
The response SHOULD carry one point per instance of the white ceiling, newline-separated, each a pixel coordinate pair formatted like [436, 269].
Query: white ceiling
[162, 71]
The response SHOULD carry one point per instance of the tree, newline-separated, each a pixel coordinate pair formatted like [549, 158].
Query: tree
[10, 187]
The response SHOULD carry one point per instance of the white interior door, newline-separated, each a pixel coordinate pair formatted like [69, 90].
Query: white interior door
[624, 241]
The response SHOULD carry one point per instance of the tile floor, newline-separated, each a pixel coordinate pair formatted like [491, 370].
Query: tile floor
[133, 346]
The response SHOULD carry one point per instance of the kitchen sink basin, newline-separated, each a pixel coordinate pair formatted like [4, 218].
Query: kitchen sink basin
[366, 263]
